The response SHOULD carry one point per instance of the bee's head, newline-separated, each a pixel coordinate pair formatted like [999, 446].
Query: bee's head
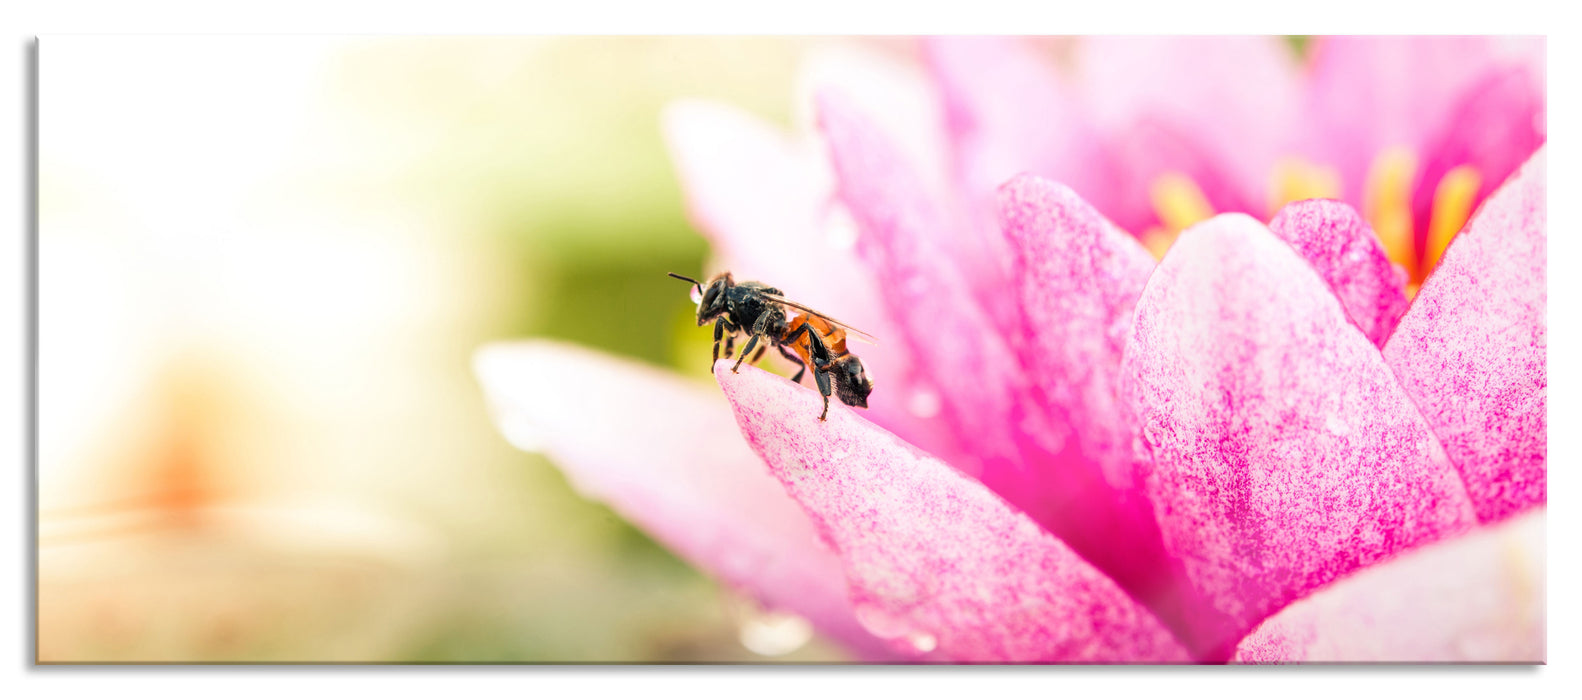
[852, 384]
[711, 299]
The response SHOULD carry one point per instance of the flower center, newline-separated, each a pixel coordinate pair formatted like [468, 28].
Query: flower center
[1387, 205]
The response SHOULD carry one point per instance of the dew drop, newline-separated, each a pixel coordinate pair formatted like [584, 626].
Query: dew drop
[522, 432]
[769, 632]
[880, 622]
[1336, 425]
[840, 230]
[696, 295]
[923, 403]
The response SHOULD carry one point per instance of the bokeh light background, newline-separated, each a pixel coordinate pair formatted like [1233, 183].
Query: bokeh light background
[264, 264]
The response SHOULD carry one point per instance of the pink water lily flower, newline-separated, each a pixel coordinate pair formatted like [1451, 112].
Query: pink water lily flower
[1286, 440]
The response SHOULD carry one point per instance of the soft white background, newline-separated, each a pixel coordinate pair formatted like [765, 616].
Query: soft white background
[27, 19]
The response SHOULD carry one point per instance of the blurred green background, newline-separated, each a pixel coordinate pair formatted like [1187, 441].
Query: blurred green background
[265, 264]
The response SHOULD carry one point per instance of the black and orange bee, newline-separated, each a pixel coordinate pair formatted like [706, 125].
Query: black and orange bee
[802, 335]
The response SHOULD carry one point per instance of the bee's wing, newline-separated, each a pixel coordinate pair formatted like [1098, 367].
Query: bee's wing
[860, 335]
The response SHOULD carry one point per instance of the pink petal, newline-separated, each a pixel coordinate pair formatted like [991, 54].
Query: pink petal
[1008, 112]
[1150, 148]
[1471, 350]
[1474, 598]
[1370, 93]
[1077, 280]
[1495, 127]
[1217, 109]
[1284, 454]
[761, 199]
[898, 94]
[903, 104]
[903, 239]
[1343, 249]
[663, 453]
[935, 560]
[764, 202]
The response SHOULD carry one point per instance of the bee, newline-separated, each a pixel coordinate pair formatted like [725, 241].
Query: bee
[806, 337]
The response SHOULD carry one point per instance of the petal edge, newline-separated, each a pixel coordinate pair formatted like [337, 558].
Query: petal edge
[935, 559]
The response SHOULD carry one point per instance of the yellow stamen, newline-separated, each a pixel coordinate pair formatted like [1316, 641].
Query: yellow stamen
[1296, 179]
[1452, 205]
[1387, 205]
[1178, 201]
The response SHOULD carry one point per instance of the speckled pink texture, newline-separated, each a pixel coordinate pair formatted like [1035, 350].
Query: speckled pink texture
[1284, 454]
[1471, 350]
[1477, 598]
[1022, 442]
[902, 230]
[628, 435]
[1076, 278]
[936, 560]
[1343, 249]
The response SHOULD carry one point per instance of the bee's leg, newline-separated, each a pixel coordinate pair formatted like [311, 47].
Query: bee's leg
[751, 343]
[791, 338]
[823, 378]
[730, 344]
[719, 330]
[801, 368]
[760, 354]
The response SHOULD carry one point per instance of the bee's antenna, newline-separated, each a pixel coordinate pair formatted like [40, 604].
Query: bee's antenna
[684, 278]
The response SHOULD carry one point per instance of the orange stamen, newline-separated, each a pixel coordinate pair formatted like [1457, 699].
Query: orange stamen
[1452, 205]
[1387, 205]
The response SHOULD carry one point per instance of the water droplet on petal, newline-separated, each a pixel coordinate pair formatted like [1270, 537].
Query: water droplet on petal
[769, 632]
[1151, 433]
[1336, 425]
[840, 230]
[923, 403]
[880, 622]
[696, 295]
[522, 432]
